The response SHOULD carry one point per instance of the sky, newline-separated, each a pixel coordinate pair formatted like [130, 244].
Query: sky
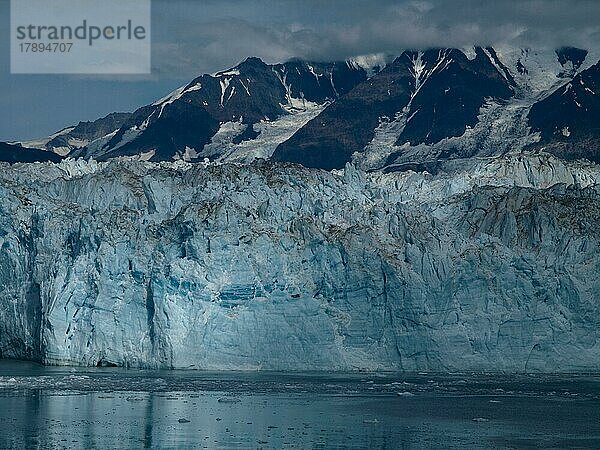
[192, 37]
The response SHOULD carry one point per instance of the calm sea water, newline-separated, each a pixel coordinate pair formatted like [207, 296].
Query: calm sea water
[46, 407]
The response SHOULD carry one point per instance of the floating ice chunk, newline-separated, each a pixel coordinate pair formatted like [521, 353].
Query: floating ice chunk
[405, 394]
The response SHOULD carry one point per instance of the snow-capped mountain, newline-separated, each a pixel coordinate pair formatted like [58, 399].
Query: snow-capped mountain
[568, 121]
[71, 138]
[408, 113]
[440, 104]
[429, 96]
[248, 99]
[215, 115]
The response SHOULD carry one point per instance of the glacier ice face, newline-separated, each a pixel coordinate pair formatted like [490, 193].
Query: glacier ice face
[490, 265]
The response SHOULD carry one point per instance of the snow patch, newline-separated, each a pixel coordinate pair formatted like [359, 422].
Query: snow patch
[189, 154]
[311, 69]
[542, 70]
[288, 88]
[371, 63]
[95, 147]
[195, 87]
[128, 136]
[145, 156]
[171, 97]
[500, 129]
[62, 151]
[271, 133]
[41, 143]
[245, 87]
[224, 83]
[223, 138]
[228, 73]
[469, 52]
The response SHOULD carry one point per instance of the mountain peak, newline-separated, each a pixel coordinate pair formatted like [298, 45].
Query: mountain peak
[252, 62]
[576, 56]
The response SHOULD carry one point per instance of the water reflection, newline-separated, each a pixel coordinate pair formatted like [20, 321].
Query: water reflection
[106, 409]
[35, 419]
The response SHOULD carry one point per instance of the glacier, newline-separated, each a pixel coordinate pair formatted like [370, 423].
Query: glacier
[492, 264]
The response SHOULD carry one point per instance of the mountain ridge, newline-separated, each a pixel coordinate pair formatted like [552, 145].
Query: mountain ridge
[422, 107]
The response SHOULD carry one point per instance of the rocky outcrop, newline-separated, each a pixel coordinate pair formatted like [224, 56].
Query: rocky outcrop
[14, 153]
[567, 120]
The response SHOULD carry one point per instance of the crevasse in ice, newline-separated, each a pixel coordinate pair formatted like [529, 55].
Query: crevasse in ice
[493, 264]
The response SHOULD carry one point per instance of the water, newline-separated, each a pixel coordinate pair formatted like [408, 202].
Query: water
[106, 408]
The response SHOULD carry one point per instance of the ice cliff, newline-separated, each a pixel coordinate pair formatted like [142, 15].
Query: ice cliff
[492, 264]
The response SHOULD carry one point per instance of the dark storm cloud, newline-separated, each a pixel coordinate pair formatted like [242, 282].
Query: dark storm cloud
[211, 35]
[195, 37]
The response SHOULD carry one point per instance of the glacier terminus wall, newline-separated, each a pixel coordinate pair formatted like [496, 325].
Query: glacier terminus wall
[492, 264]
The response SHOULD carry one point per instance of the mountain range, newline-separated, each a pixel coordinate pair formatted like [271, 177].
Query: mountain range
[408, 112]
